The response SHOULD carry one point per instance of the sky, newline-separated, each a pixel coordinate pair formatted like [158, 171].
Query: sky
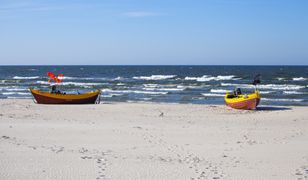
[153, 32]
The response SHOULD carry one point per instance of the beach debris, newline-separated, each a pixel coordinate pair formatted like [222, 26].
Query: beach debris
[161, 114]
[5, 137]
[86, 157]
[83, 150]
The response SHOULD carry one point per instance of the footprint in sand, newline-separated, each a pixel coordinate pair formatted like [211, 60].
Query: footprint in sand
[302, 173]
[101, 165]
[201, 169]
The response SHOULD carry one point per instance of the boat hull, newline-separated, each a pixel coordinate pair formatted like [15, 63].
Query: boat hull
[248, 102]
[51, 98]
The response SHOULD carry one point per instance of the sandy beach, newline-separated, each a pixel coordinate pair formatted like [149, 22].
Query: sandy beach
[151, 141]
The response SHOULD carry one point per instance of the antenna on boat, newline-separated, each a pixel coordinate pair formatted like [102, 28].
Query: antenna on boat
[256, 80]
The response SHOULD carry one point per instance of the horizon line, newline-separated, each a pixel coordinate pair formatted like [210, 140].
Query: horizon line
[152, 65]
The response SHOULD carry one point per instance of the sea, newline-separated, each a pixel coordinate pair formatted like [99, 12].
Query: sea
[280, 85]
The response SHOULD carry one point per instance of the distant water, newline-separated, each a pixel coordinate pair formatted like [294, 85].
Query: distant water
[281, 85]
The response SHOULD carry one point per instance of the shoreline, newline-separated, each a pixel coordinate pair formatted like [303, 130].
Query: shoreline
[151, 141]
[259, 107]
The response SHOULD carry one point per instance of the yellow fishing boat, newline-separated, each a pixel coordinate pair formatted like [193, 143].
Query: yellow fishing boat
[243, 101]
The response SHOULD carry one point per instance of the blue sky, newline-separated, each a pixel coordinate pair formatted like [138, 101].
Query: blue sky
[151, 32]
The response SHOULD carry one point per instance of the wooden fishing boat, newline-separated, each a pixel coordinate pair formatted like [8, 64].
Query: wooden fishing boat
[59, 98]
[243, 101]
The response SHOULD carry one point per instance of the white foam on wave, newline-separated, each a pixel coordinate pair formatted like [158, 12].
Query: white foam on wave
[192, 78]
[299, 79]
[13, 88]
[71, 83]
[110, 95]
[23, 97]
[225, 90]
[121, 84]
[280, 79]
[150, 85]
[267, 86]
[16, 93]
[16, 89]
[211, 78]
[146, 99]
[154, 77]
[219, 90]
[213, 94]
[81, 78]
[292, 92]
[118, 78]
[26, 77]
[282, 100]
[171, 89]
[132, 91]
[266, 92]
[163, 89]
[90, 78]
[32, 69]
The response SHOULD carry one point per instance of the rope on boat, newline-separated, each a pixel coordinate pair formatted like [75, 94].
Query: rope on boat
[98, 99]
[34, 100]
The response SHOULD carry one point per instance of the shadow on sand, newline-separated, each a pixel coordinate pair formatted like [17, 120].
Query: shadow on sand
[272, 108]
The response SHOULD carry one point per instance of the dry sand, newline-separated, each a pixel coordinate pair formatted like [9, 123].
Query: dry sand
[151, 141]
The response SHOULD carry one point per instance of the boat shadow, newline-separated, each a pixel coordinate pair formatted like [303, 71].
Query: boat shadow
[272, 108]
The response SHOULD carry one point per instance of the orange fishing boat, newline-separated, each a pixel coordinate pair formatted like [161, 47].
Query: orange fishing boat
[59, 98]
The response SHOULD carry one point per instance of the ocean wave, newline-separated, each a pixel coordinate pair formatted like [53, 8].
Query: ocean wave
[16, 89]
[225, 90]
[196, 87]
[213, 94]
[32, 69]
[171, 89]
[91, 78]
[26, 77]
[10, 81]
[280, 79]
[118, 78]
[132, 91]
[23, 97]
[219, 90]
[71, 83]
[292, 92]
[267, 86]
[67, 77]
[299, 79]
[150, 85]
[16, 93]
[80, 78]
[146, 99]
[283, 100]
[110, 95]
[154, 77]
[266, 92]
[211, 78]
[163, 89]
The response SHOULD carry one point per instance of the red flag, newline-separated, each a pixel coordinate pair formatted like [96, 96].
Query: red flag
[57, 79]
